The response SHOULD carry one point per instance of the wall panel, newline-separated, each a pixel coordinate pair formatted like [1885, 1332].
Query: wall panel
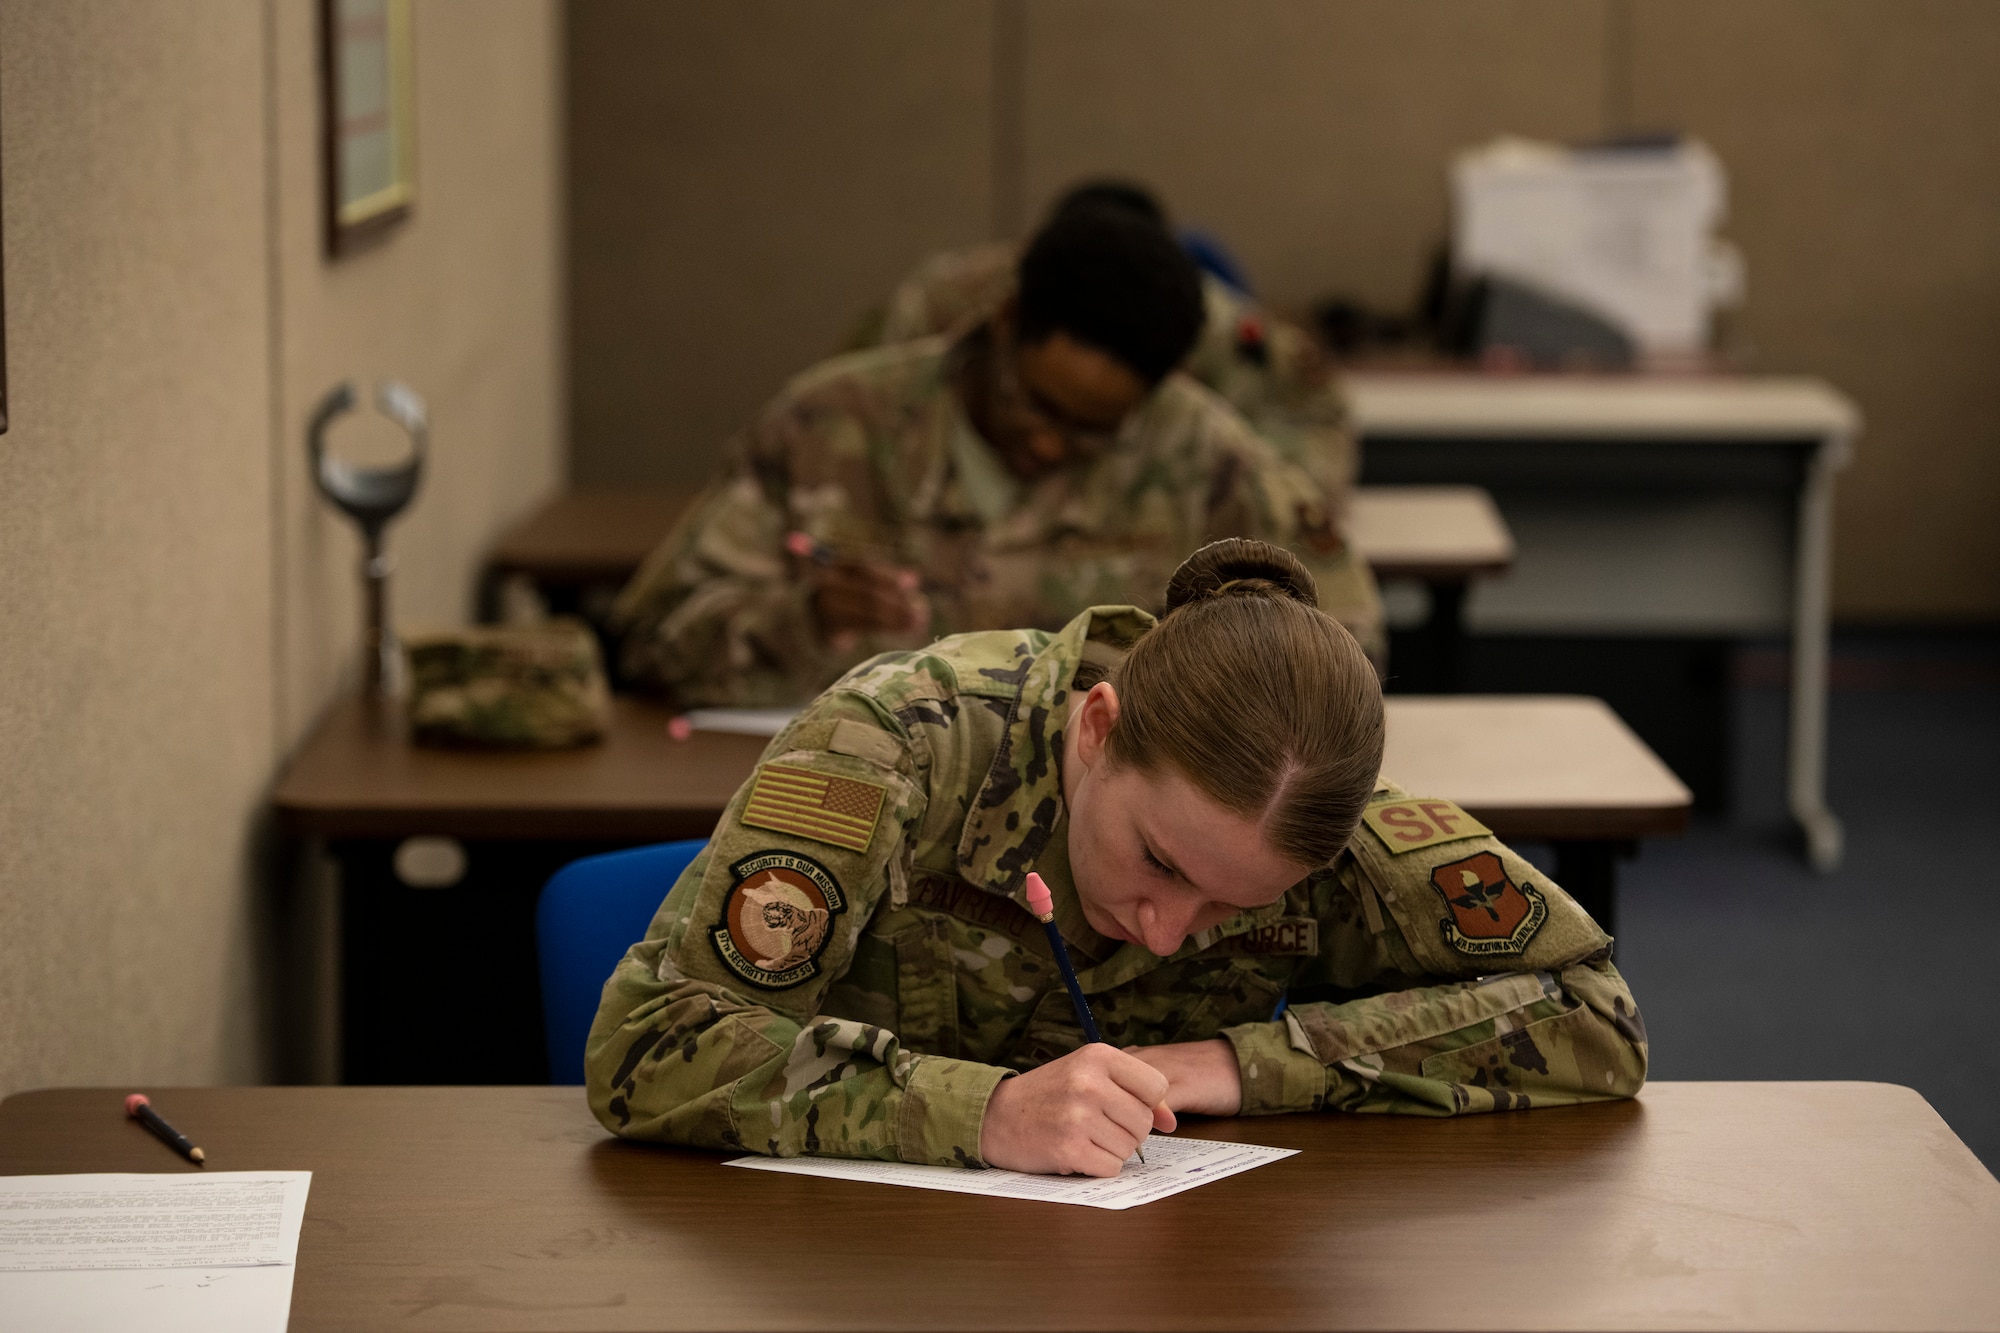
[177, 604]
[1313, 136]
[135, 586]
[747, 176]
[1863, 146]
[463, 302]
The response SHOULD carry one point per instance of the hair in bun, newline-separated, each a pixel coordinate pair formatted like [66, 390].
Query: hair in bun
[1256, 696]
[1241, 567]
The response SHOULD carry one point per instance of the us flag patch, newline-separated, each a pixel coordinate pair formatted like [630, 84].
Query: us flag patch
[841, 811]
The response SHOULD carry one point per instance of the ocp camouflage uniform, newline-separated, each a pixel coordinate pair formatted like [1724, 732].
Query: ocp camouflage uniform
[1267, 368]
[872, 454]
[850, 968]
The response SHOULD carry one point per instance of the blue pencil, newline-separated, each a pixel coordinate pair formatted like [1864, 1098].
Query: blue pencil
[1043, 905]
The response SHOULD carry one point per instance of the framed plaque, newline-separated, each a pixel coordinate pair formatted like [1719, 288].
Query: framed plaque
[367, 78]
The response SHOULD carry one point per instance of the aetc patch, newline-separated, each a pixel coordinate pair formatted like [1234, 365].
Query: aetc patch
[1489, 912]
[777, 918]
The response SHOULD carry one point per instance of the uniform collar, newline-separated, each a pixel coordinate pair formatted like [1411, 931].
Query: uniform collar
[1019, 810]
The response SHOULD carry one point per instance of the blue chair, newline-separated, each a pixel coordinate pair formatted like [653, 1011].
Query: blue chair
[591, 911]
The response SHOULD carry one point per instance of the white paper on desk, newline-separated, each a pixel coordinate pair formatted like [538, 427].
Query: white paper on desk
[213, 1252]
[742, 721]
[1171, 1165]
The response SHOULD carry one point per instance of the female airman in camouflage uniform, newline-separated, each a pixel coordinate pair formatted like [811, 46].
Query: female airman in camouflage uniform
[1187, 788]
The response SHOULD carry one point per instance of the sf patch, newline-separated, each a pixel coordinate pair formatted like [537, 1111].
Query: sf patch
[777, 918]
[841, 811]
[1489, 913]
[1407, 825]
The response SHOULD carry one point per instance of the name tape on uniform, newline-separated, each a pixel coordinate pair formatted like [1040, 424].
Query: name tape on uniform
[841, 811]
[1405, 824]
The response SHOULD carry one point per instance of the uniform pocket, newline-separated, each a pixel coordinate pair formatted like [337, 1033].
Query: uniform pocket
[1241, 993]
[926, 988]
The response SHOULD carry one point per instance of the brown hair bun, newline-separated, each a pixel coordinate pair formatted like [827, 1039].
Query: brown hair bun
[1256, 696]
[1240, 567]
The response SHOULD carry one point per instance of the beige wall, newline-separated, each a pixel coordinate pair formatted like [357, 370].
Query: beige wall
[746, 177]
[177, 609]
[1863, 141]
[135, 533]
[462, 302]
[1311, 135]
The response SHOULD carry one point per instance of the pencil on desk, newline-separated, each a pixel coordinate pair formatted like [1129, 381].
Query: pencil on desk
[1043, 905]
[141, 1109]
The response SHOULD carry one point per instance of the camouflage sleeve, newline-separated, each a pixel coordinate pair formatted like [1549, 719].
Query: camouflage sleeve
[711, 1031]
[1458, 978]
[717, 615]
[1305, 415]
[1253, 491]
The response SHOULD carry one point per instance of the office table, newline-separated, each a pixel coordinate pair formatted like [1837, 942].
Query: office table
[1712, 1206]
[590, 537]
[1647, 504]
[577, 549]
[1442, 537]
[1563, 770]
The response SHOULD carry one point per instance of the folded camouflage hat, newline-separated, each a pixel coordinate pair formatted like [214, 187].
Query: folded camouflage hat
[540, 687]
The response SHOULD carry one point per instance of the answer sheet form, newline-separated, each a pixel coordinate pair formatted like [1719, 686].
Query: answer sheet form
[1171, 1166]
[213, 1251]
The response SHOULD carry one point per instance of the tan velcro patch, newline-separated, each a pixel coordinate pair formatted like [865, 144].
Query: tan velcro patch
[1407, 824]
[832, 809]
[864, 742]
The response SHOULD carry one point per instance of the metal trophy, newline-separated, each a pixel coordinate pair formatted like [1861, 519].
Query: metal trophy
[371, 497]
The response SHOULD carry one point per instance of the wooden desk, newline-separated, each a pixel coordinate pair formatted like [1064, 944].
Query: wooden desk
[358, 776]
[1442, 537]
[586, 543]
[1713, 1206]
[590, 535]
[1591, 790]
[600, 534]
[1647, 505]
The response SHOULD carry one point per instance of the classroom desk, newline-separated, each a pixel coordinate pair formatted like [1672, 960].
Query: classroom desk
[588, 537]
[1442, 537]
[1646, 505]
[577, 549]
[1555, 769]
[1712, 1206]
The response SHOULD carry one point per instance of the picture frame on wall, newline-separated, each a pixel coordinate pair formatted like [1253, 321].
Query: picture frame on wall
[368, 111]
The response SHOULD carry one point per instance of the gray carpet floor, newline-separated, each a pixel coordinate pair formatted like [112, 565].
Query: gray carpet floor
[1747, 965]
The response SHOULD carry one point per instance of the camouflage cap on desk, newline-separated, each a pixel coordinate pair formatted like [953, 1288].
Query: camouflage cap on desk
[535, 687]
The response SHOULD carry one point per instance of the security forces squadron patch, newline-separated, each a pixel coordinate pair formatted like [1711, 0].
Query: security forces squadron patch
[1490, 913]
[777, 918]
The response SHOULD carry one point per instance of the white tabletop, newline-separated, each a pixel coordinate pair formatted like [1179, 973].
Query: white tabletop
[1459, 406]
[1414, 529]
[1525, 751]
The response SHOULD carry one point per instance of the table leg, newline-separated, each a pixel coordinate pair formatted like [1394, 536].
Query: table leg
[1812, 575]
[1446, 635]
[1588, 872]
